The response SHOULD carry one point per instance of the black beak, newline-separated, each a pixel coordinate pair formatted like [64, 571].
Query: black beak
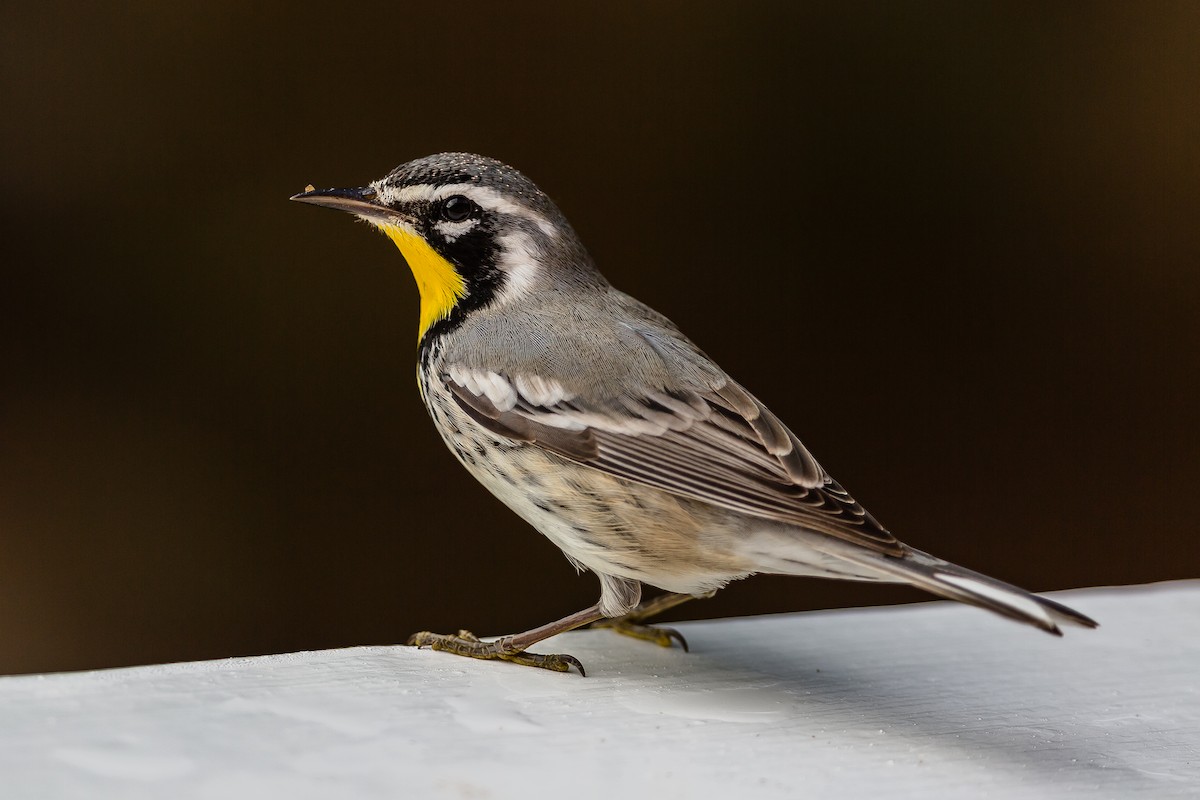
[361, 201]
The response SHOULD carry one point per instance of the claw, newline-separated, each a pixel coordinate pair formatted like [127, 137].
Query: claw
[663, 637]
[573, 661]
[677, 636]
[465, 643]
[422, 639]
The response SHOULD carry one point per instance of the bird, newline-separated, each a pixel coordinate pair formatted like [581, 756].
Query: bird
[599, 423]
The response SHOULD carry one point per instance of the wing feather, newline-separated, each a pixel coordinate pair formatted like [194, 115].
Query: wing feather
[720, 446]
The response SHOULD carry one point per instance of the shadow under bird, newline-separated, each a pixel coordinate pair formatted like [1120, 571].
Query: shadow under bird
[597, 421]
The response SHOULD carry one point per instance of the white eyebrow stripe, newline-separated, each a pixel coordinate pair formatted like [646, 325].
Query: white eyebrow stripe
[485, 196]
[390, 195]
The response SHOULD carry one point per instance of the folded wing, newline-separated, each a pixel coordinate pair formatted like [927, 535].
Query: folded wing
[720, 446]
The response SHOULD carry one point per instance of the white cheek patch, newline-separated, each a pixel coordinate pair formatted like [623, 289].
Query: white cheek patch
[452, 230]
[519, 260]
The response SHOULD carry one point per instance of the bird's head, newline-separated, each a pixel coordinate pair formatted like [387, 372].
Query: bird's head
[474, 232]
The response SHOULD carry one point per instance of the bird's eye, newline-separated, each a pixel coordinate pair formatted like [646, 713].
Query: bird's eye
[457, 208]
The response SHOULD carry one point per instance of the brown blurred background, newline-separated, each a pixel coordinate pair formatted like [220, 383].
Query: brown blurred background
[970, 231]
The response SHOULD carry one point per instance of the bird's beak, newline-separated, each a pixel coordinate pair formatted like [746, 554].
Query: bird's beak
[361, 202]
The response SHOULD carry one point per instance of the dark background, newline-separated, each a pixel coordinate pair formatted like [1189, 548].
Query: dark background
[955, 246]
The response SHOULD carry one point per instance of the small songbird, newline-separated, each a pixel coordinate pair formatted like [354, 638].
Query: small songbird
[600, 424]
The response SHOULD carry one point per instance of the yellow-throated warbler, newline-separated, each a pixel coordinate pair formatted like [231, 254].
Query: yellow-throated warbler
[593, 418]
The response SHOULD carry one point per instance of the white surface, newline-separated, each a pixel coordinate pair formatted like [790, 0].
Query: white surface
[922, 701]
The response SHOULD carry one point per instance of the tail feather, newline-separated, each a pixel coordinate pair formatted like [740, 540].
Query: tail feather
[967, 586]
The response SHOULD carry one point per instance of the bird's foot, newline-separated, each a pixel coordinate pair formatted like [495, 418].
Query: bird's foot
[465, 643]
[628, 625]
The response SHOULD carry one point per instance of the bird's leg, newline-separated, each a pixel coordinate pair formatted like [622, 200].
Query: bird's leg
[512, 648]
[631, 624]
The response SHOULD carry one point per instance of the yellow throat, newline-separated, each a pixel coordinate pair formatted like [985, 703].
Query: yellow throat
[439, 283]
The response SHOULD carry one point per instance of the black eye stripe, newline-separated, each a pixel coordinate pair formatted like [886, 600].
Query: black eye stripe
[457, 208]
